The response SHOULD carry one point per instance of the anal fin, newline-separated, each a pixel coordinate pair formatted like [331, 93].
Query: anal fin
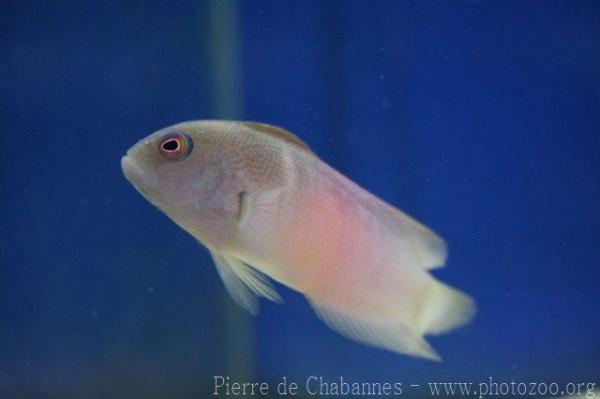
[391, 335]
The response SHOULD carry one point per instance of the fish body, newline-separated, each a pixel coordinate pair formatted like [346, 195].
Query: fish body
[266, 206]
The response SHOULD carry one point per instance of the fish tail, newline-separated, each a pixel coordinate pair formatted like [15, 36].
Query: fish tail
[444, 308]
[398, 320]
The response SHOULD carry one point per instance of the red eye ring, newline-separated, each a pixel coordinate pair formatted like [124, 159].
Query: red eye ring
[175, 146]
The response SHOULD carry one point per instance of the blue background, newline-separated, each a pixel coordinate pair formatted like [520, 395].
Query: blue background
[479, 118]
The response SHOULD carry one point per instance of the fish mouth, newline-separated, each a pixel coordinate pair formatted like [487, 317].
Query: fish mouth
[132, 171]
[139, 180]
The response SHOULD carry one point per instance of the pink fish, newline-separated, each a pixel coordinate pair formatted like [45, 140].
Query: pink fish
[266, 206]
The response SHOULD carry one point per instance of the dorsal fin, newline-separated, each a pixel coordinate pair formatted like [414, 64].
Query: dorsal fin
[280, 133]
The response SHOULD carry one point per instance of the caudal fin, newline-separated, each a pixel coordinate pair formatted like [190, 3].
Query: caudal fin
[444, 309]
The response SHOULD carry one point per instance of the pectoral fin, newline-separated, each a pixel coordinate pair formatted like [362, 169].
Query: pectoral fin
[243, 282]
[258, 213]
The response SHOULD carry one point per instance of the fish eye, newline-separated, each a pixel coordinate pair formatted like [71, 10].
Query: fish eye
[175, 146]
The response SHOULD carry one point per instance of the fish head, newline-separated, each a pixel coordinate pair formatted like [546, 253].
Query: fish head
[183, 170]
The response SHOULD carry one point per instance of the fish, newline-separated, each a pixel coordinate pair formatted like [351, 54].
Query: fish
[268, 209]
